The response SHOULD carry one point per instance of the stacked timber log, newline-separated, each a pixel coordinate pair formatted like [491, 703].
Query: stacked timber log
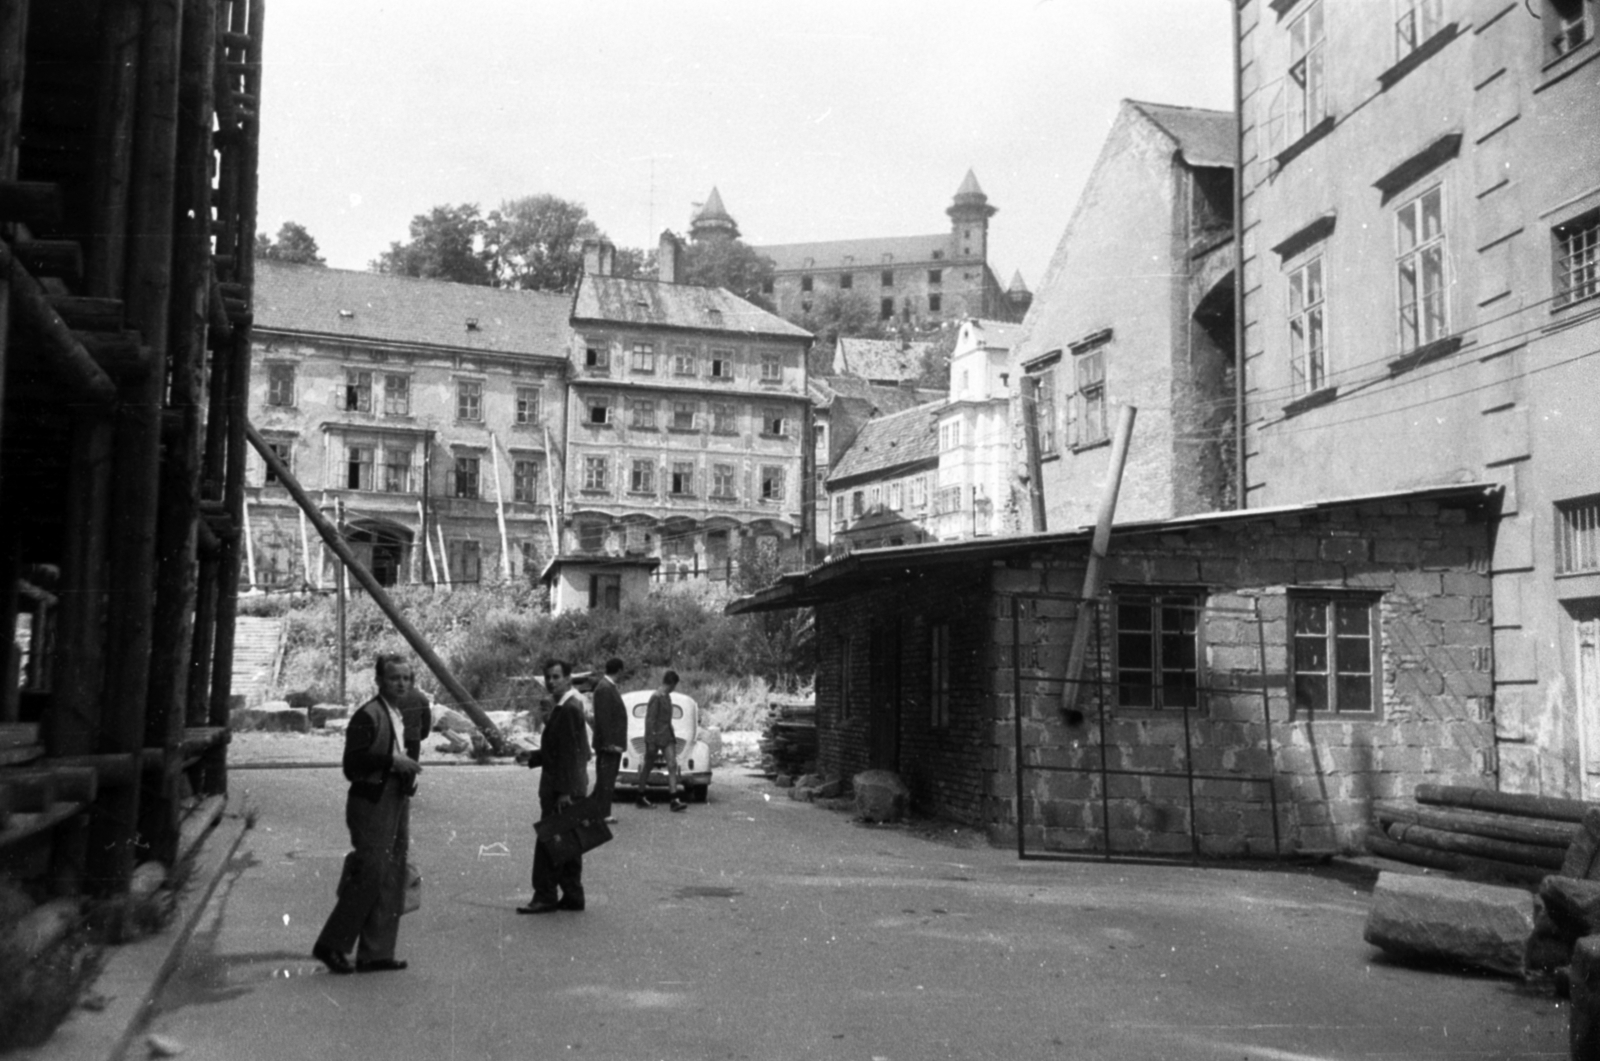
[789, 739]
[1474, 832]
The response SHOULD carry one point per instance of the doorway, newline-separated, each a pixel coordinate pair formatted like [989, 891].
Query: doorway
[884, 680]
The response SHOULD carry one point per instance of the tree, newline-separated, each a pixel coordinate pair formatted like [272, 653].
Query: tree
[732, 264]
[536, 242]
[294, 244]
[446, 244]
[633, 263]
[836, 313]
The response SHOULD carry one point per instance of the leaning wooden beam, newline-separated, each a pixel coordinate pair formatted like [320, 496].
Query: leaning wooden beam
[418, 643]
[13, 48]
[31, 308]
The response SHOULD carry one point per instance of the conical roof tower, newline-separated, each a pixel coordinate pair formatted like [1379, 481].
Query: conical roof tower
[712, 220]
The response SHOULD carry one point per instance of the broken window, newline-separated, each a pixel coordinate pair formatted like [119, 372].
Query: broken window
[771, 483]
[357, 391]
[683, 478]
[358, 467]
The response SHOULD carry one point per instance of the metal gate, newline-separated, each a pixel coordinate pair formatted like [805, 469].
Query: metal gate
[1028, 669]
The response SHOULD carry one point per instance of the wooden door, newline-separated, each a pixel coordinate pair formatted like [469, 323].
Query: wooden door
[884, 720]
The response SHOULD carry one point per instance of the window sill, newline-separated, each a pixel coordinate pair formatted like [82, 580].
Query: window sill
[1422, 355]
[1310, 401]
[596, 370]
[1580, 312]
[680, 497]
[643, 427]
[638, 493]
[590, 491]
[526, 426]
[1563, 66]
[1419, 55]
[719, 379]
[723, 497]
[591, 423]
[464, 422]
[1300, 146]
[777, 438]
[772, 382]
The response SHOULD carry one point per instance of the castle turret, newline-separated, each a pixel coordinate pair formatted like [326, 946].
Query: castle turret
[712, 221]
[969, 219]
[1019, 296]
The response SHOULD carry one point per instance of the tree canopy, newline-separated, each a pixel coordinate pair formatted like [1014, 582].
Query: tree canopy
[836, 313]
[729, 263]
[537, 242]
[294, 244]
[446, 244]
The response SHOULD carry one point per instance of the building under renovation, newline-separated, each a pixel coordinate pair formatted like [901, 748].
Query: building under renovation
[128, 146]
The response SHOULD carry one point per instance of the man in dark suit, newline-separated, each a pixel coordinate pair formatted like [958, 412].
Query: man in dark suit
[381, 765]
[563, 756]
[610, 735]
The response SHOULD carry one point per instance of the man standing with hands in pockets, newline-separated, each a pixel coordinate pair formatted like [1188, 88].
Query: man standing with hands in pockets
[610, 736]
[563, 756]
[660, 742]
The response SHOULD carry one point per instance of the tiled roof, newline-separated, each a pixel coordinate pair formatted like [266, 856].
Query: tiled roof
[883, 358]
[889, 441]
[404, 309]
[1206, 137]
[626, 301]
[883, 398]
[864, 254]
[712, 209]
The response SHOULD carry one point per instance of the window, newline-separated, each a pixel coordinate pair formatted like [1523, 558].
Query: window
[283, 451]
[357, 391]
[1578, 259]
[766, 285]
[935, 276]
[1578, 536]
[949, 435]
[722, 364]
[723, 418]
[644, 415]
[683, 416]
[1089, 365]
[805, 284]
[1332, 653]
[1307, 84]
[683, 478]
[469, 399]
[896, 495]
[886, 309]
[874, 498]
[1419, 233]
[396, 395]
[644, 357]
[466, 476]
[528, 399]
[591, 536]
[771, 368]
[1567, 24]
[1419, 20]
[280, 384]
[596, 357]
[397, 471]
[938, 256]
[847, 281]
[1308, 355]
[358, 467]
[934, 302]
[530, 558]
[886, 278]
[838, 509]
[771, 483]
[594, 473]
[919, 492]
[858, 504]
[465, 560]
[525, 481]
[605, 592]
[683, 362]
[722, 481]
[1044, 409]
[642, 477]
[1157, 645]
[948, 500]
[773, 422]
[599, 410]
[939, 675]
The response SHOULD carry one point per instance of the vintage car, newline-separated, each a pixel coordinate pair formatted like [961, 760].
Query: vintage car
[694, 756]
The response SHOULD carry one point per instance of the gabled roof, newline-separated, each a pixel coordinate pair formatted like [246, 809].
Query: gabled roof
[880, 359]
[314, 300]
[883, 398]
[651, 302]
[1204, 137]
[890, 441]
[887, 252]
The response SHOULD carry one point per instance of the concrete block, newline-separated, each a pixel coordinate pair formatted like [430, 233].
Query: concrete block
[1345, 550]
[1482, 925]
[880, 796]
[1516, 656]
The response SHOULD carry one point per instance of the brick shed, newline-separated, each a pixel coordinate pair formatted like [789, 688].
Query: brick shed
[1252, 679]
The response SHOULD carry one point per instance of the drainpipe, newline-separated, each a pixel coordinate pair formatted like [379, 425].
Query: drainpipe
[1240, 478]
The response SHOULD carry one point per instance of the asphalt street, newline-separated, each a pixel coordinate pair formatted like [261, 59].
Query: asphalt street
[755, 927]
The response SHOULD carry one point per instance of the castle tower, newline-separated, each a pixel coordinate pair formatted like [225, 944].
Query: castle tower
[969, 220]
[1019, 296]
[712, 221]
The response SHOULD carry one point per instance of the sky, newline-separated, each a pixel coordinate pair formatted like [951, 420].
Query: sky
[818, 120]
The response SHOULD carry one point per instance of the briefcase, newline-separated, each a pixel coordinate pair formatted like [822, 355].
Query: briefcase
[579, 828]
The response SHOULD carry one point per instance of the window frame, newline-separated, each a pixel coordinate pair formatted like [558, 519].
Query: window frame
[467, 477]
[1557, 28]
[1578, 535]
[1582, 261]
[685, 416]
[774, 424]
[1417, 23]
[283, 449]
[773, 487]
[530, 406]
[1304, 376]
[1308, 103]
[642, 414]
[724, 418]
[597, 357]
[525, 480]
[771, 368]
[469, 401]
[360, 464]
[1089, 395]
[396, 399]
[680, 482]
[642, 476]
[1187, 602]
[939, 675]
[398, 468]
[601, 402]
[1416, 257]
[642, 358]
[1334, 599]
[357, 391]
[723, 485]
[596, 473]
[281, 384]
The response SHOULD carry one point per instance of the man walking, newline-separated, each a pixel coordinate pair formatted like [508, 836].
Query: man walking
[564, 756]
[610, 736]
[660, 742]
[381, 764]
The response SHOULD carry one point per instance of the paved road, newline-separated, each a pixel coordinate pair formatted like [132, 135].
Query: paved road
[757, 928]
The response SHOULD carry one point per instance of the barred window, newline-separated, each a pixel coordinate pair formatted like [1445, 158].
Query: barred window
[1157, 647]
[1578, 260]
[1578, 535]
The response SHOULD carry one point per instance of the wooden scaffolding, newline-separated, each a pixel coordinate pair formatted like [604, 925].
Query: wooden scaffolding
[128, 151]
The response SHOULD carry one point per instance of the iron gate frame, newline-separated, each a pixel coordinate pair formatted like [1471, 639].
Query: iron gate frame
[1104, 771]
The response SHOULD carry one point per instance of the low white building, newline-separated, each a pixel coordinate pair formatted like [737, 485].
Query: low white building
[975, 434]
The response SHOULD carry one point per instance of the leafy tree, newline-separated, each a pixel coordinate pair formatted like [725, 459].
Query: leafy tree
[732, 264]
[294, 244]
[836, 313]
[537, 242]
[631, 262]
[446, 244]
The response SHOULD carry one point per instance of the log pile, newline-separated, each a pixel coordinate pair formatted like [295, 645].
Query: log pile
[1479, 833]
[789, 739]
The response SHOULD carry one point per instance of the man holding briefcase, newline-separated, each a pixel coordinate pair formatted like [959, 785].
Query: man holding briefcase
[564, 756]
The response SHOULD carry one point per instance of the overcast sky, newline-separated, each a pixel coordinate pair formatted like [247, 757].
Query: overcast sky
[822, 119]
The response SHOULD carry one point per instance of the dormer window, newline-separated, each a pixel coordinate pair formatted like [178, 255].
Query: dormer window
[472, 324]
[346, 314]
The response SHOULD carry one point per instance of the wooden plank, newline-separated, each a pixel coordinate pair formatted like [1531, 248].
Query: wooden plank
[1384, 847]
[89, 314]
[1477, 823]
[62, 258]
[70, 361]
[1551, 807]
[22, 826]
[22, 753]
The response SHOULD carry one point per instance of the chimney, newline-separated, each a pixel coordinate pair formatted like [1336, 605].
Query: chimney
[669, 258]
[598, 257]
[608, 258]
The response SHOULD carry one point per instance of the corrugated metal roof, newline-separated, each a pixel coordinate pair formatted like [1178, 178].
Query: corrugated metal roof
[890, 441]
[651, 302]
[883, 358]
[865, 254]
[404, 309]
[1205, 137]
